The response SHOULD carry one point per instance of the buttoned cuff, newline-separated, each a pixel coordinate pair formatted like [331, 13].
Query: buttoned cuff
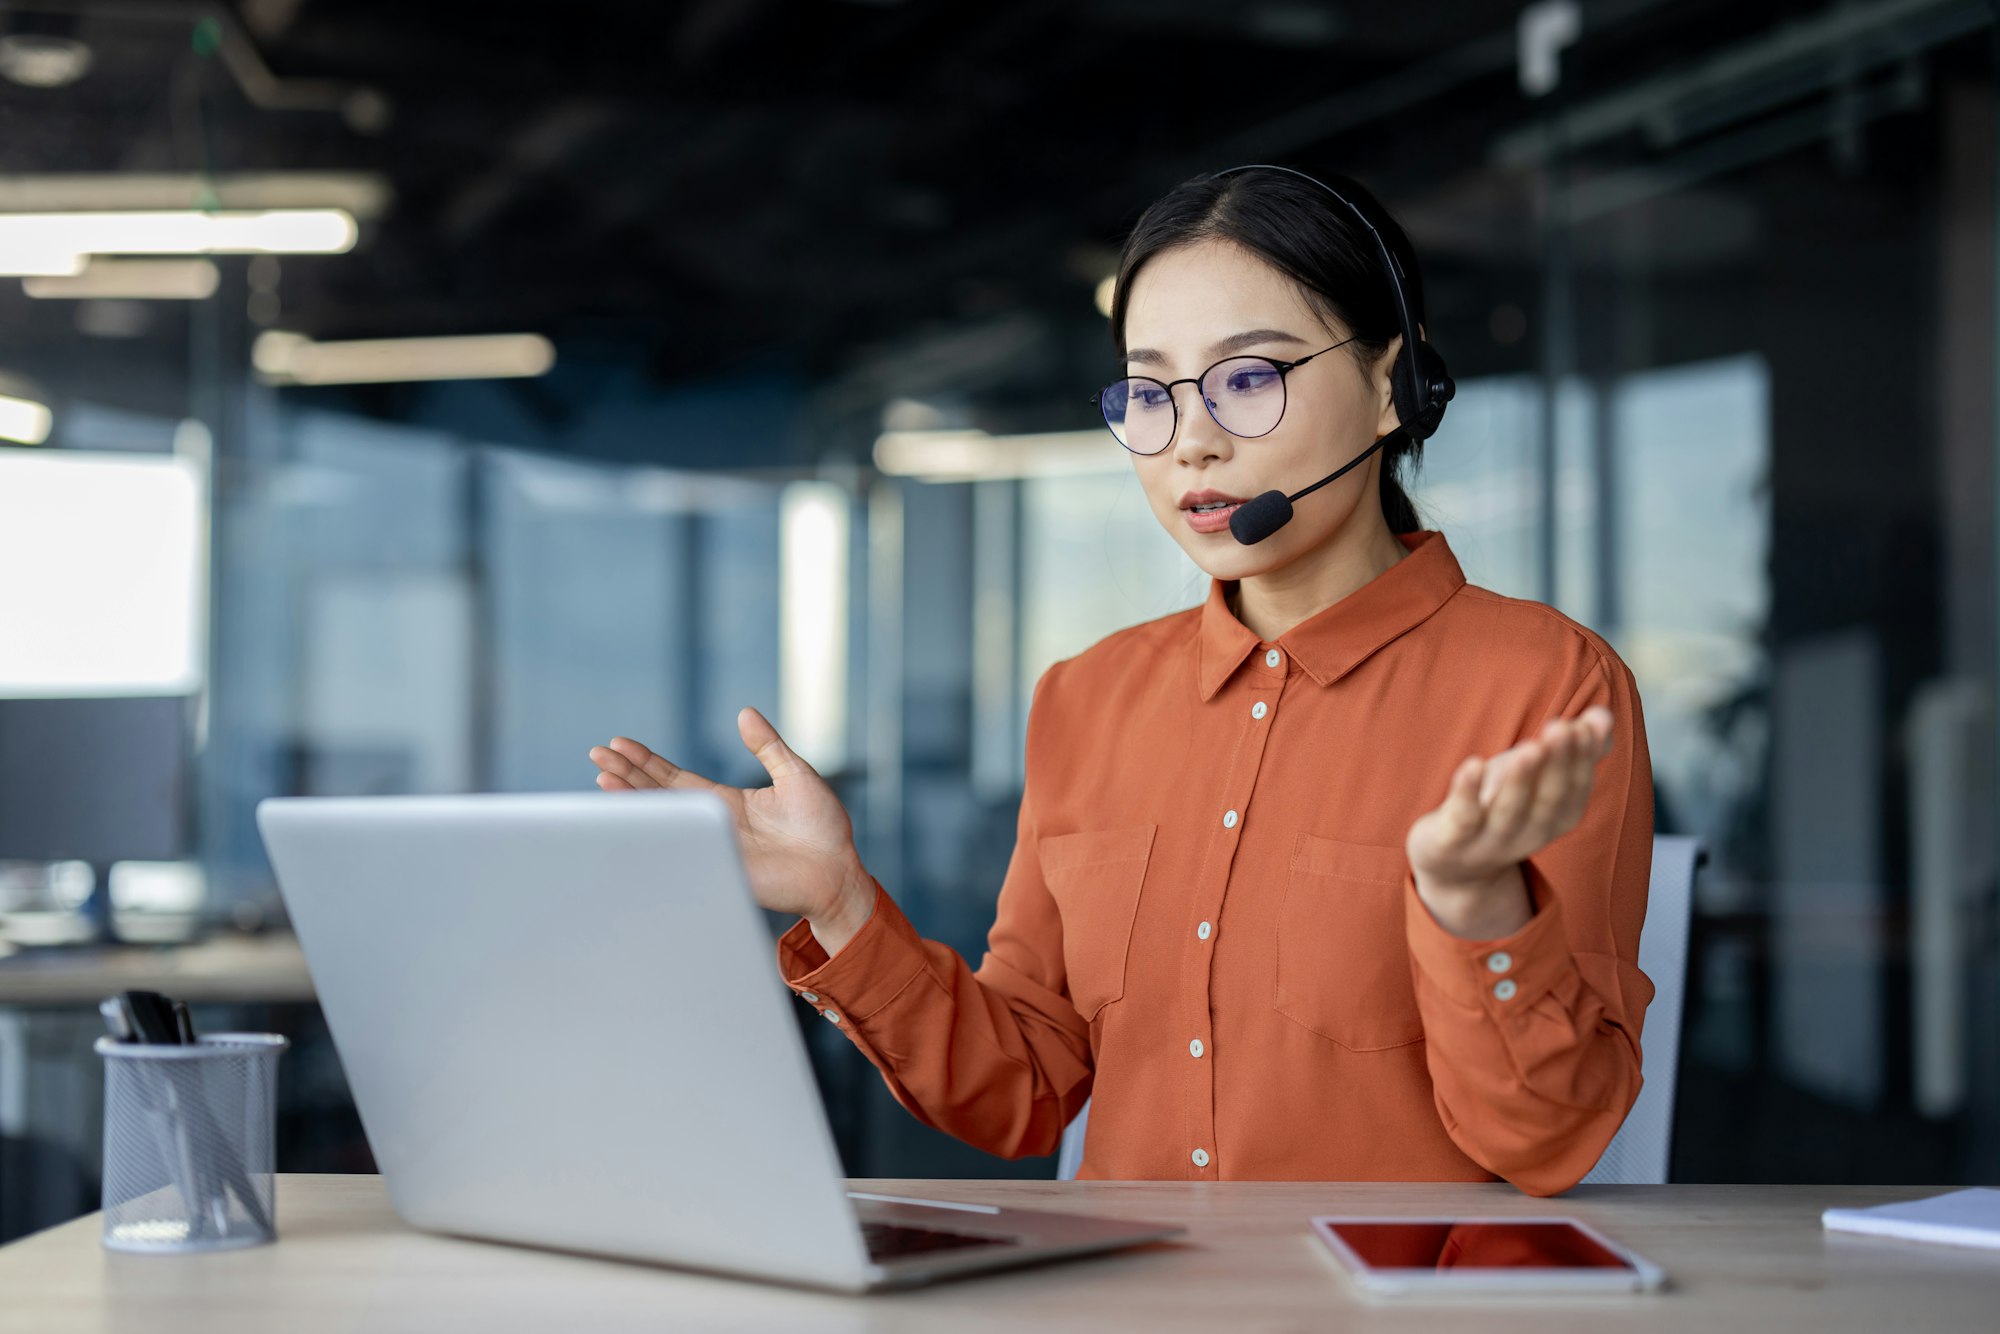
[1501, 976]
[868, 972]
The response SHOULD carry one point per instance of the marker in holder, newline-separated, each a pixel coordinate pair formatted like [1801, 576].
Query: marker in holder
[188, 1142]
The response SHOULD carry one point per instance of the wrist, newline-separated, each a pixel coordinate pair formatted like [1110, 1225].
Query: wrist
[852, 906]
[1486, 909]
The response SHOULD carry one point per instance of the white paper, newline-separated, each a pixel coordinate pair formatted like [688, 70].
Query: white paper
[1962, 1218]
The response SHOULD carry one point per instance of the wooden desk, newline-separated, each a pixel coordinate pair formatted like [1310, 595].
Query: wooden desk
[1740, 1258]
[222, 969]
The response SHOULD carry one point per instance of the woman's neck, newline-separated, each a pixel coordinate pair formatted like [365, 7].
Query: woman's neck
[1270, 604]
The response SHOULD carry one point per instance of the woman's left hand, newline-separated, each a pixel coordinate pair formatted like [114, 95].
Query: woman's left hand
[1466, 855]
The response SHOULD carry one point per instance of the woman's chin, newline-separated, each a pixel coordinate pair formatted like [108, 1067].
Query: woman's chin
[1221, 556]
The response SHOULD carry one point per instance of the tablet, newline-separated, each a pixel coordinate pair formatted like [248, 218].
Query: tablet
[1442, 1256]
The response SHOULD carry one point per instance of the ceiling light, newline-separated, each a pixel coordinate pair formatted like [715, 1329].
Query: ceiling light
[1106, 290]
[43, 60]
[973, 456]
[270, 231]
[290, 358]
[132, 280]
[28, 262]
[24, 421]
[365, 194]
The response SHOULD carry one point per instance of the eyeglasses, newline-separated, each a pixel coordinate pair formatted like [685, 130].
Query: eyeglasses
[1245, 396]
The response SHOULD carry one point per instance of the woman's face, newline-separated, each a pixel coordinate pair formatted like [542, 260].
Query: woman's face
[1193, 306]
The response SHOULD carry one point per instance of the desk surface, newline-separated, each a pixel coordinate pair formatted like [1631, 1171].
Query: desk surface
[246, 969]
[1739, 1257]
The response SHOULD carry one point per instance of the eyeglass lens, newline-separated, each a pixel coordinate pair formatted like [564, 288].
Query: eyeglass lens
[1245, 396]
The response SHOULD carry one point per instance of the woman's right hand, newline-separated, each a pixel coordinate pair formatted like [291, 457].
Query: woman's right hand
[797, 839]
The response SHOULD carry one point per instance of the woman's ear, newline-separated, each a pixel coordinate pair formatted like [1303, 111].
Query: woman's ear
[1387, 419]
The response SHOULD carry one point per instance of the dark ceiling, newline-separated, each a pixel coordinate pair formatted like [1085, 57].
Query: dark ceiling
[720, 185]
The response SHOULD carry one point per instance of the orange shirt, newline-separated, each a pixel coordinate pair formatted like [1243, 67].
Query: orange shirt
[1209, 926]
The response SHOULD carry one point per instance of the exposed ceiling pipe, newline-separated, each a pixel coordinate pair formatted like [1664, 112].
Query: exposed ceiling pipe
[366, 110]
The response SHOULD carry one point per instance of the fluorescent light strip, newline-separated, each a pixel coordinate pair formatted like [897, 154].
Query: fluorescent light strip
[28, 262]
[973, 456]
[365, 194]
[289, 358]
[24, 421]
[309, 231]
[132, 280]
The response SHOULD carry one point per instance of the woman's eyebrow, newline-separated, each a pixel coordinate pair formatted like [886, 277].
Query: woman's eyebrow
[1233, 343]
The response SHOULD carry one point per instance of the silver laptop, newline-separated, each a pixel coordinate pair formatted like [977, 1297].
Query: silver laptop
[563, 1025]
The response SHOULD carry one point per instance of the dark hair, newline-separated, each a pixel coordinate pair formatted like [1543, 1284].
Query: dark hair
[1305, 234]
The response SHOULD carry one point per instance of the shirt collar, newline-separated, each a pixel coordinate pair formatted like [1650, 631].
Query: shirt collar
[1331, 643]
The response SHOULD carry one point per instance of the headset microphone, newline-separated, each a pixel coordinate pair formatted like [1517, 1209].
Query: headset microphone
[1257, 518]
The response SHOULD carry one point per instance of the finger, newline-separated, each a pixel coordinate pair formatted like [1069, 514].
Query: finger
[1461, 804]
[1553, 785]
[1510, 799]
[1497, 769]
[660, 770]
[1601, 721]
[1583, 765]
[618, 766]
[763, 741]
[611, 782]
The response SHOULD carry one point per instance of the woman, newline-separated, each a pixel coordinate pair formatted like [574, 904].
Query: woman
[1338, 876]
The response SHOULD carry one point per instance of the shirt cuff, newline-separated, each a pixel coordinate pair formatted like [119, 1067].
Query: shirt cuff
[867, 973]
[1499, 976]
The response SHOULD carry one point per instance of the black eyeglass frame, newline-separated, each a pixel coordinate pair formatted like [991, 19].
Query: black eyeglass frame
[1284, 369]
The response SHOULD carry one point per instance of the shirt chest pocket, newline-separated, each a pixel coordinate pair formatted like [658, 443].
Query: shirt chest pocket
[1094, 877]
[1343, 966]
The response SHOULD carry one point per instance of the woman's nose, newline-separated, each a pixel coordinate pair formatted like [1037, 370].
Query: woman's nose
[1200, 437]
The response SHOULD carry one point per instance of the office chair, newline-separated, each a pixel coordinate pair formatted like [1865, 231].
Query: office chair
[1637, 1154]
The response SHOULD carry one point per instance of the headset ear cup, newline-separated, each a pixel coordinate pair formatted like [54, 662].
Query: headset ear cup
[1422, 389]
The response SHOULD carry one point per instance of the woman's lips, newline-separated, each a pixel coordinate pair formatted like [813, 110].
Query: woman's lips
[1211, 521]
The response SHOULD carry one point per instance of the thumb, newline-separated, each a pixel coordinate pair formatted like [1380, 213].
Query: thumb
[1463, 802]
[763, 741]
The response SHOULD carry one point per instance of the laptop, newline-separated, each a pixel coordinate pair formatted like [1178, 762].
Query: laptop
[563, 1026]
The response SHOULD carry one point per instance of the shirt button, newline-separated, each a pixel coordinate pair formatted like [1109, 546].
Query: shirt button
[831, 1016]
[1258, 710]
[808, 998]
[1505, 988]
[1229, 819]
[1201, 932]
[1273, 658]
[1194, 1049]
[1500, 961]
[1200, 1157]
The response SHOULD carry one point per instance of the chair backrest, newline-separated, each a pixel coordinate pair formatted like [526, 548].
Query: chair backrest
[1637, 1154]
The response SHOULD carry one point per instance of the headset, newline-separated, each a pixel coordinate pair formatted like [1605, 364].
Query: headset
[1419, 382]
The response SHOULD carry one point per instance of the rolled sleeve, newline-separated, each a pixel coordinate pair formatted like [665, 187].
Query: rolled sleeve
[1470, 972]
[884, 956]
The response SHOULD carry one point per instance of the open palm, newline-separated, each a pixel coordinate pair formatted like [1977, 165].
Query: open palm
[797, 839]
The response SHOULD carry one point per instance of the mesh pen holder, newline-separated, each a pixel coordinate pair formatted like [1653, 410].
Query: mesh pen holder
[188, 1154]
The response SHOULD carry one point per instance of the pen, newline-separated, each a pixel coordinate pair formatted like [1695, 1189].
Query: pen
[130, 1018]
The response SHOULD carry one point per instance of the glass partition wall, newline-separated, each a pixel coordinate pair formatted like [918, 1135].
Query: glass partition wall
[1724, 339]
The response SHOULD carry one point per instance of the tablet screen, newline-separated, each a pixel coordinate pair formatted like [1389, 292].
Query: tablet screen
[1439, 1244]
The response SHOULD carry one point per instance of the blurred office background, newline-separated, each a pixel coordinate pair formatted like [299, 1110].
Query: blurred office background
[783, 316]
